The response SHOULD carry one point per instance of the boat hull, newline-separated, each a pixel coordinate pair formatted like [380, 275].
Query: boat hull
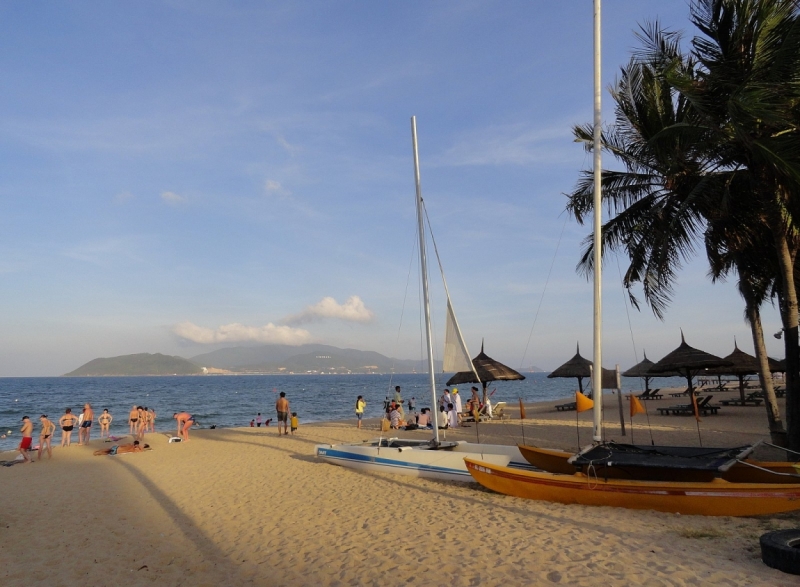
[419, 461]
[555, 461]
[713, 498]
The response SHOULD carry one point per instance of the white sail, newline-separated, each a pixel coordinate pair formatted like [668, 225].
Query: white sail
[456, 356]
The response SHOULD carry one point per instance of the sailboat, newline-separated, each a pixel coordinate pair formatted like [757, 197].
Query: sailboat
[714, 497]
[425, 458]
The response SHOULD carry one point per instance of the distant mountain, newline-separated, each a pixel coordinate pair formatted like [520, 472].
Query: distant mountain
[307, 358]
[140, 364]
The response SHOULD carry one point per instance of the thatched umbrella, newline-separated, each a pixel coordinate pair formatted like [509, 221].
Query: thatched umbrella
[642, 369]
[577, 367]
[743, 364]
[689, 361]
[488, 370]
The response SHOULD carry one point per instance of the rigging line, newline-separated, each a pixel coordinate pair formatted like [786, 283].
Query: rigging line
[635, 352]
[544, 291]
[446, 290]
[403, 309]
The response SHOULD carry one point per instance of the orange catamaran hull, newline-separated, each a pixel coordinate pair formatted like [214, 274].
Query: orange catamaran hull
[555, 461]
[713, 498]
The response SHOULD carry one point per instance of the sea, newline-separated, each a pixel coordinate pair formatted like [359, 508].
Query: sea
[234, 400]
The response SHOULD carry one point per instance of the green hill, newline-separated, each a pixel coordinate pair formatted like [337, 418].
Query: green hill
[139, 364]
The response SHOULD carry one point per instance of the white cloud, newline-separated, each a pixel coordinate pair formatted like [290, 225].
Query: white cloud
[172, 198]
[511, 145]
[274, 188]
[270, 333]
[123, 197]
[353, 310]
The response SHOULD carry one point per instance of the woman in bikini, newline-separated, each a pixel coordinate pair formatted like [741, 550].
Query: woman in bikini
[105, 422]
[46, 436]
[67, 423]
[141, 425]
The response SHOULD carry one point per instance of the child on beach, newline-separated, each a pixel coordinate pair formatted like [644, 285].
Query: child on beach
[294, 422]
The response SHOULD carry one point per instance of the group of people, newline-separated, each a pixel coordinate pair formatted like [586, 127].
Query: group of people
[67, 422]
[451, 413]
[141, 420]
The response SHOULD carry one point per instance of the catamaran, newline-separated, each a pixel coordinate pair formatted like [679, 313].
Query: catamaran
[416, 457]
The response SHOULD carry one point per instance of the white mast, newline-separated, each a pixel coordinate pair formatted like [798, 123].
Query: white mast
[424, 269]
[597, 380]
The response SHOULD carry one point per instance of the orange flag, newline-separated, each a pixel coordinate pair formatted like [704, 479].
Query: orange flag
[521, 410]
[582, 403]
[695, 409]
[636, 406]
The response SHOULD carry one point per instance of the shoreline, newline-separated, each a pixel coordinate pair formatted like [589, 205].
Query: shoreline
[245, 506]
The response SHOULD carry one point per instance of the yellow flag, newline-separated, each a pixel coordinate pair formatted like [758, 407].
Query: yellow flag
[636, 406]
[695, 409]
[521, 410]
[582, 402]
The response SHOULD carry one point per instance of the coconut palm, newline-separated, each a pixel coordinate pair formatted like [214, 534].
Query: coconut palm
[745, 96]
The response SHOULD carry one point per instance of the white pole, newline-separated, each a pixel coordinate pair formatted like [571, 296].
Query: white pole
[424, 270]
[597, 388]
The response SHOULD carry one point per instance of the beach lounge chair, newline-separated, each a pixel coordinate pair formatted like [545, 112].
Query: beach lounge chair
[654, 394]
[567, 407]
[752, 399]
[499, 411]
[645, 394]
[704, 407]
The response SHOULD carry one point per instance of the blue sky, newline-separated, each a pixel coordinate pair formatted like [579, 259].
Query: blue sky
[180, 176]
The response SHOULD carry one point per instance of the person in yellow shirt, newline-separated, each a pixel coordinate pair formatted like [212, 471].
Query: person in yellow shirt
[294, 422]
[360, 405]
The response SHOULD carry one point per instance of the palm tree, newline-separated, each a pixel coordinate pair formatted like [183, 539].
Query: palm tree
[745, 96]
[673, 191]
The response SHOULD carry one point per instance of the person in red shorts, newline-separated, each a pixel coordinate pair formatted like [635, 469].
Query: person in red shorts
[27, 438]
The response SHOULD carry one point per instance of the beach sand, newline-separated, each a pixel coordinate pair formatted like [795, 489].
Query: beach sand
[248, 507]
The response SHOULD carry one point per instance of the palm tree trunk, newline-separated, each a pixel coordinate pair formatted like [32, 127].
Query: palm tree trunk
[776, 430]
[790, 319]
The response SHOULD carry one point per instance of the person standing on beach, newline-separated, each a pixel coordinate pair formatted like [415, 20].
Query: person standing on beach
[457, 404]
[295, 422]
[282, 407]
[27, 438]
[360, 405]
[105, 422]
[397, 395]
[258, 420]
[412, 405]
[185, 421]
[67, 423]
[86, 426]
[152, 419]
[46, 436]
[133, 418]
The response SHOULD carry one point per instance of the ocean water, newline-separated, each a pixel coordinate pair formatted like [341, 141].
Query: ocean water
[227, 401]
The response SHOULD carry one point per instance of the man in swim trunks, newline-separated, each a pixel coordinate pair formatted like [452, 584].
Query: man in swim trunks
[27, 438]
[67, 422]
[121, 449]
[133, 418]
[282, 407]
[46, 436]
[86, 426]
[105, 422]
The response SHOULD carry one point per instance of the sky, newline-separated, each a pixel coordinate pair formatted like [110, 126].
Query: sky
[182, 176]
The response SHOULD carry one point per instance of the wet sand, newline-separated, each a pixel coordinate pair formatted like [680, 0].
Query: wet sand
[248, 507]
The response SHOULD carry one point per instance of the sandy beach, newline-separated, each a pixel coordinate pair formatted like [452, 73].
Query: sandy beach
[248, 507]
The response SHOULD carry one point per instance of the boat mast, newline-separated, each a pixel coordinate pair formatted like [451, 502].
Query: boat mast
[597, 380]
[424, 270]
